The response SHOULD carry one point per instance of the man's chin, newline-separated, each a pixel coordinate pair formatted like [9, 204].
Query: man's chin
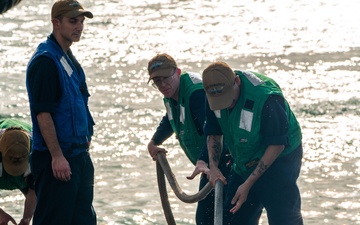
[76, 38]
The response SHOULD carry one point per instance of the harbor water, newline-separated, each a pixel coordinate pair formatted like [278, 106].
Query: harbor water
[311, 48]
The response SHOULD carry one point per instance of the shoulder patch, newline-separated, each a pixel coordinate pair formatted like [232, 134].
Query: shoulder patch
[195, 77]
[255, 80]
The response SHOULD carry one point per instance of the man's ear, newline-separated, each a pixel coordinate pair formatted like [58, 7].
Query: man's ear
[237, 80]
[56, 22]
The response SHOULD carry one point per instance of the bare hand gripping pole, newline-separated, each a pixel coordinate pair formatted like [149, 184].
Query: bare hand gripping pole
[218, 213]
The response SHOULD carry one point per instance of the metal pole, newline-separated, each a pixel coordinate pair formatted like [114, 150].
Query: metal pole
[218, 212]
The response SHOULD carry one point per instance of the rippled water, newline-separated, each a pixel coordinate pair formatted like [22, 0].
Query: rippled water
[310, 47]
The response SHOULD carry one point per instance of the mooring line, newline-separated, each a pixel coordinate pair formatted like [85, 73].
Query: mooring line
[163, 167]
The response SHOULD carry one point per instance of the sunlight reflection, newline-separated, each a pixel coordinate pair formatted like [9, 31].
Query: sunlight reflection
[315, 59]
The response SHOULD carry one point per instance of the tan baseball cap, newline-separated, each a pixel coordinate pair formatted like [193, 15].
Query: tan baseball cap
[69, 8]
[161, 65]
[15, 149]
[218, 80]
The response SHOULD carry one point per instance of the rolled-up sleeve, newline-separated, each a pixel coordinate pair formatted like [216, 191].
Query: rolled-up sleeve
[44, 85]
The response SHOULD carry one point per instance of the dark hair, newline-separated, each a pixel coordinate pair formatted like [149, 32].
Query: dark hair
[13, 128]
[5, 5]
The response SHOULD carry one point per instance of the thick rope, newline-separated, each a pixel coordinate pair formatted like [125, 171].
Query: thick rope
[175, 186]
[163, 195]
[162, 166]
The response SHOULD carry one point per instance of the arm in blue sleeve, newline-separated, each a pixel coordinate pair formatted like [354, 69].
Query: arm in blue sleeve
[211, 126]
[274, 121]
[163, 131]
[44, 84]
[197, 108]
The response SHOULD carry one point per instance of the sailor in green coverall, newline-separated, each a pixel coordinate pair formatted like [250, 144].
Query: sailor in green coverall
[15, 139]
[184, 100]
[249, 111]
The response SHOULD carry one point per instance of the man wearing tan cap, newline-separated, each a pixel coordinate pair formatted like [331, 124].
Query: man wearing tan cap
[184, 100]
[62, 123]
[14, 166]
[249, 111]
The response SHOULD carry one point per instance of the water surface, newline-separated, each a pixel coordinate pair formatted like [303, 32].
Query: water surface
[310, 47]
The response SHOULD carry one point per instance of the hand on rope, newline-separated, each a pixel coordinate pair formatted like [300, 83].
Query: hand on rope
[200, 168]
[154, 150]
[161, 159]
